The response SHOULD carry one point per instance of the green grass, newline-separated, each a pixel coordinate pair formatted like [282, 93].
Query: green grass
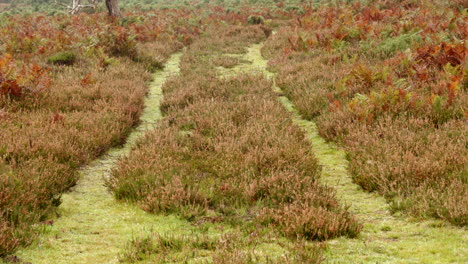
[239, 243]
[93, 227]
[386, 238]
[192, 105]
[62, 58]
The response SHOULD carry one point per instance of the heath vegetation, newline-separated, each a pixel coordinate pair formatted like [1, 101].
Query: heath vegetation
[386, 80]
[70, 87]
[229, 151]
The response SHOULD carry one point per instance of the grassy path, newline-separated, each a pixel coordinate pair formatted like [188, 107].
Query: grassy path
[93, 227]
[385, 238]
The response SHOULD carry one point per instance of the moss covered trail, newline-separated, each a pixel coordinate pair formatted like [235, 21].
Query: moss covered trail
[386, 238]
[93, 227]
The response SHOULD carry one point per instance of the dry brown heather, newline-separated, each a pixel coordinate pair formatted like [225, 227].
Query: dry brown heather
[46, 138]
[228, 149]
[398, 108]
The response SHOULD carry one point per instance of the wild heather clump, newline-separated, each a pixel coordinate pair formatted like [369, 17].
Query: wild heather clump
[388, 81]
[70, 88]
[229, 149]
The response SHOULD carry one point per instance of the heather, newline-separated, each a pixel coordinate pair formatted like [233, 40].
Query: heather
[233, 131]
[228, 150]
[387, 80]
[57, 117]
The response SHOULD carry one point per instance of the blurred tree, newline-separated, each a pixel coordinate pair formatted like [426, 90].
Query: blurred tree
[77, 5]
[113, 8]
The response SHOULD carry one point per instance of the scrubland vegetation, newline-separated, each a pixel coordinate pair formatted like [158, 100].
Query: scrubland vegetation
[57, 116]
[228, 151]
[387, 80]
[384, 79]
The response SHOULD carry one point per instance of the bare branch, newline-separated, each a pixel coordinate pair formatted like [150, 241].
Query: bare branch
[76, 5]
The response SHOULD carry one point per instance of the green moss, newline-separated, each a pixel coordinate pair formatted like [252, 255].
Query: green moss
[62, 58]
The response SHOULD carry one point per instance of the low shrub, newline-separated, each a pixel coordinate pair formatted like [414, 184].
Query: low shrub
[150, 63]
[394, 96]
[292, 8]
[255, 20]
[391, 45]
[52, 127]
[18, 81]
[62, 58]
[228, 147]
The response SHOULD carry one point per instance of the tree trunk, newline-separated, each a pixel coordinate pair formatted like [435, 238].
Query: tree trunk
[75, 7]
[113, 8]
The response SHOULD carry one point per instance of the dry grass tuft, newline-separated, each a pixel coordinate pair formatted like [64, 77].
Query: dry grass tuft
[225, 248]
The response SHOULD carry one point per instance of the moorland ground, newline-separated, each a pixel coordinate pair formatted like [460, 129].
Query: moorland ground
[384, 80]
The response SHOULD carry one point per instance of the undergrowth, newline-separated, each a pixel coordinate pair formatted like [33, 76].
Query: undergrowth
[387, 80]
[54, 119]
[229, 151]
[221, 249]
